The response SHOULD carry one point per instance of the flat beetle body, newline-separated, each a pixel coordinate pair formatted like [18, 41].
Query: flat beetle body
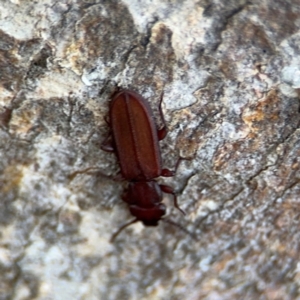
[135, 136]
[135, 140]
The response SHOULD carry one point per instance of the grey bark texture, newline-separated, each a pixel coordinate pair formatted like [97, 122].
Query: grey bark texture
[230, 72]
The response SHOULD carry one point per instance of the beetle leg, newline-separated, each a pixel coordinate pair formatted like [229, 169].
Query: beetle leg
[121, 229]
[162, 132]
[180, 227]
[168, 190]
[170, 173]
[108, 144]
[106, 119]
[167, 173]
[95, 170]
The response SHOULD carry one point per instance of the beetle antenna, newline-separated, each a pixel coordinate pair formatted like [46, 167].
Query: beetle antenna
[180, 227]
[121, 229]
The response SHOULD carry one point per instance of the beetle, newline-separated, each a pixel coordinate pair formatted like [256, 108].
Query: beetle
[134, 138]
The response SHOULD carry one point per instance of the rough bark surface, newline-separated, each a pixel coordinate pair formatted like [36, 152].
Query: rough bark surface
[230, 72]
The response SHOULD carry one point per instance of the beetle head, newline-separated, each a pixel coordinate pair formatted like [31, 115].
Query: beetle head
[149, 216]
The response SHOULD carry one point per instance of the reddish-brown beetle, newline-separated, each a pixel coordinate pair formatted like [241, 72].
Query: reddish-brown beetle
[134, 138]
